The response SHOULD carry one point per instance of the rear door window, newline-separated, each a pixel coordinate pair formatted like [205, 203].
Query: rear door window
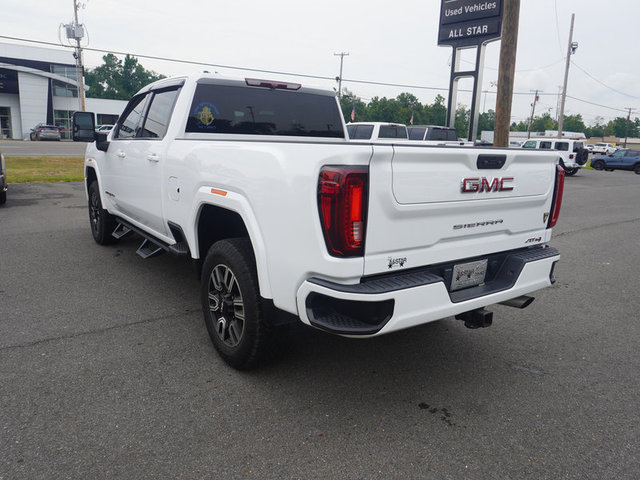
[529, 144]
[562, 146]
[157, 120]
[545, 145]
[263, 111]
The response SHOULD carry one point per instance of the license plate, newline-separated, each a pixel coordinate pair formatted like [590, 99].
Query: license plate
[468, 274]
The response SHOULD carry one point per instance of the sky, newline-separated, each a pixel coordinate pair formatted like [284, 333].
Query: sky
[387, 42]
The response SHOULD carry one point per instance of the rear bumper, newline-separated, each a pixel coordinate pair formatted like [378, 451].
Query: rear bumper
[392, 302]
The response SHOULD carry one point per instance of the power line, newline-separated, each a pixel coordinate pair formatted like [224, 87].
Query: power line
[602, 83]
[275, 72]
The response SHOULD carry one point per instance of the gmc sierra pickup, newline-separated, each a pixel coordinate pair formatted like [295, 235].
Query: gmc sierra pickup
[288, 220]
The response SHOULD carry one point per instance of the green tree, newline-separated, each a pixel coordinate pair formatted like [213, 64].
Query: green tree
[574, 123]
[117, 79]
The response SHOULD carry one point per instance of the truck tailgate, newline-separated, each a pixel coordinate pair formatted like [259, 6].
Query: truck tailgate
[432, 205]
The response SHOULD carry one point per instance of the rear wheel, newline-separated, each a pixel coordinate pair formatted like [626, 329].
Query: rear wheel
[571, 171]
[231, 304]
[102, 223]
[636, 169]
[598, 165]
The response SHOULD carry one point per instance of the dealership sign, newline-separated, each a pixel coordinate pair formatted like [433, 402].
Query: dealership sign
[466, 23]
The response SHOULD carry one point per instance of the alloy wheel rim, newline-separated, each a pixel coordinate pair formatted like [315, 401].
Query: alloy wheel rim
[94, 211]
[226, 305]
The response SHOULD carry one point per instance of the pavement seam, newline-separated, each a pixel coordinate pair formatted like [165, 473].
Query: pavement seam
[91, 332]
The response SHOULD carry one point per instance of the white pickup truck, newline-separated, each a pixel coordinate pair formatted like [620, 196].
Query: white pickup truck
[288, 220]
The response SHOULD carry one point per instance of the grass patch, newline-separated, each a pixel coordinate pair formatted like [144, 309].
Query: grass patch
[44, 169]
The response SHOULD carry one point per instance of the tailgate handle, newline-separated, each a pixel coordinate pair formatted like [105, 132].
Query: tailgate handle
[491, 162]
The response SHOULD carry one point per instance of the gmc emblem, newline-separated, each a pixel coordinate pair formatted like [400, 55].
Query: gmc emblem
[479, 185]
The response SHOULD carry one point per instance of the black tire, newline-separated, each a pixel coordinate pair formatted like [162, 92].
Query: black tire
[598, 165]
[231, 304]
[570, 172]
[636, 169]
[102, 223]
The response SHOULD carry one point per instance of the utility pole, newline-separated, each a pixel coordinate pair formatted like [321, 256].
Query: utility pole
[573, 46]
[75, 32]
[79, 66]
[339, 78]
[533, 111]
[626, 132]
[506, 73]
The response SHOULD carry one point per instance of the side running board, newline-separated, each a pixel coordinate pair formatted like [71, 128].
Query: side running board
[150, 246]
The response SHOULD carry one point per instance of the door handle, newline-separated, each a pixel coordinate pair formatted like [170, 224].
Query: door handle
[153, 157]
[121, 154]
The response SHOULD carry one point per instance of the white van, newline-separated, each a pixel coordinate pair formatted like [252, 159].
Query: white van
[573, 155]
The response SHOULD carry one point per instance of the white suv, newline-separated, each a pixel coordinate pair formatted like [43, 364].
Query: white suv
[573, 155]
[377, 131]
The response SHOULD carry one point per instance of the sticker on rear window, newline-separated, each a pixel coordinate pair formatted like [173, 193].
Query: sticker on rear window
[205, 113]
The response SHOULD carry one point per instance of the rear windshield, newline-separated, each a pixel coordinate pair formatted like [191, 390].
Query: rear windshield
[360, 132]
[263, 111]
[416, 133]
[393, 131]
[442, 134]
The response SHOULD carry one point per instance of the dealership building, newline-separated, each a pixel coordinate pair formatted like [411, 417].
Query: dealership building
[38, 85]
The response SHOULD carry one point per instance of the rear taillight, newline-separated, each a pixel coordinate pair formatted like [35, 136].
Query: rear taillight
[557, 197]
[342, 202]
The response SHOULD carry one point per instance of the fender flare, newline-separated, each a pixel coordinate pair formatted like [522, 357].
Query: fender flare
[238, 204]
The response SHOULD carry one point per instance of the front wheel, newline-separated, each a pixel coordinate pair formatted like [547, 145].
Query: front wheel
[102, 222]
[231, 304]
[636, 169]
[571, 171]
[598, 165]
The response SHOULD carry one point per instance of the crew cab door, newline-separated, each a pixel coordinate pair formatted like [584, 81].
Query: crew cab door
[135, 158]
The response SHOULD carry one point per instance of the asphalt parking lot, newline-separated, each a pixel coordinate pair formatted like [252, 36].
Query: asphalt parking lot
[107, 372]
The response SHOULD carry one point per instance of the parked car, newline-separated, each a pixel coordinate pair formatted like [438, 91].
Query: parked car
[622, 159]
[573, 155]
[44, 132]
[3, 181]
[589, 147]
[373, 131]
[104, 128]
[603, 149]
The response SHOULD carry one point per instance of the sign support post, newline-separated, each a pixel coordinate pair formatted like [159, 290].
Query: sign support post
[468, 24]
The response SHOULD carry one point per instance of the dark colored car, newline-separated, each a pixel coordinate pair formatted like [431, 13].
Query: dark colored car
[622, 159]
[44, 132]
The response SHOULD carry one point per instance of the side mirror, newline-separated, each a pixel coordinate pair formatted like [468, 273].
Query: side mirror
[84, 127]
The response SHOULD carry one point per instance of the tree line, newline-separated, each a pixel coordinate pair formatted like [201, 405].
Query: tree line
[121, 79]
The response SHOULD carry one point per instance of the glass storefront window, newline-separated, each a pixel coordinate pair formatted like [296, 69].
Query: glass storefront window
[63, 119]
[5, 122]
